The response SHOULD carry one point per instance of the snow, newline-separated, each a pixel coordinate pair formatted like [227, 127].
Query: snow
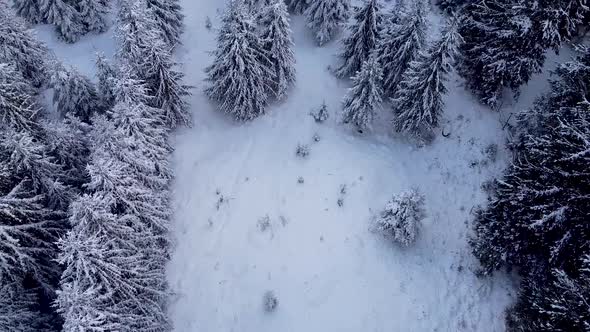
[328, 271]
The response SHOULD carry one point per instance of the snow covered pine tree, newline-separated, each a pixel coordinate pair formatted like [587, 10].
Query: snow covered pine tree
[401, 217]
[93, 14]
[516, 36]
[363, 35]
[325, 17]
[537, 217]
[400, 44]
[169, 18]
[278, 44]
[297, 6]
[65, 17]
[29, 10]
[417, 104]
[74, 93]
[238, 76]
[19, 48]
[365, 96]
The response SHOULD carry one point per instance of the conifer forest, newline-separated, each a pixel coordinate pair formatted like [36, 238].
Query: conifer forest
[294, 165]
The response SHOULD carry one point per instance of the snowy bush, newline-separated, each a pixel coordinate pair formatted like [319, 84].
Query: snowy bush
[270, 301]
[322, 114]
[401, 216]
[302, 151]
[264, 223]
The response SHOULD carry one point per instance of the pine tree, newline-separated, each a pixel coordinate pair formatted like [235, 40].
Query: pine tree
[325, 17]
[18, 308]
[93, 14]
[400, 45]
[238, 76]
[169, 18]
[65, 18]
[401, 217]
[362, 38]
[450, 6]
[418, 103]
[74, 93]
[165, 83]
[297, 6]
[537, 215]
[29, 10]
[365, 96]
[278, 44]
[19, 47]
[17, 105]
[106, 74]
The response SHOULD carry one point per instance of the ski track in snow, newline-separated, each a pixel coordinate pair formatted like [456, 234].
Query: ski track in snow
[328, 270]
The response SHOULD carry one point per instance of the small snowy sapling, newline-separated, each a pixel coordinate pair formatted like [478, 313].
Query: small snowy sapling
[322, 114]
[270, 301]
[302, 150]
[401, 217]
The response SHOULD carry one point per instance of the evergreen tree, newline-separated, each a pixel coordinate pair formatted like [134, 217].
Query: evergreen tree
[169, 18]
[74, 93]
[278, 44]
[65, 18]
[362, 38]
[450, 6]
[17, 105]
[400, 45]
[325, 17]
[106, 74]
[297, 6]
[19, 47]
[506, 41]
[93, 14]
[165, 84]
[18, 308]
[418, 103]
[365, 96]
[537, 215]
[238, 76]
[401, 217]
[29, 10]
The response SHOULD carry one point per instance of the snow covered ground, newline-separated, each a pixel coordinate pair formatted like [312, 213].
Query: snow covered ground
[328, 270]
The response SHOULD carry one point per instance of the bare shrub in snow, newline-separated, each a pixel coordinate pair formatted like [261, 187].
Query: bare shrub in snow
[316, 138]
[302, 151]
[401, 216]
[491, 152]
[208, 23]
[270, 301]
[300, 180]
[264, 223]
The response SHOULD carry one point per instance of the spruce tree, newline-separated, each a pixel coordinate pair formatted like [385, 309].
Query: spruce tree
[325, 17]
[417, 104]
[365, 96]
[537, 215]
[239, 73]
[17, 103]
[400, 45]
[19, 47]
[297, 6]
[18, 308]
[74, 93]
[106, 74]
[169, 18]
[165, 82]
[363, 35]
[65, 18]
[93, 14]
[278, 44]
[29, 10]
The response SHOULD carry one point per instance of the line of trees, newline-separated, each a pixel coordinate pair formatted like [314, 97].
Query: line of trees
[85, 198]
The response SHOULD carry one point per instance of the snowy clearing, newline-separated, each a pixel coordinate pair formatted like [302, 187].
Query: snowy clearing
[252, 217]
